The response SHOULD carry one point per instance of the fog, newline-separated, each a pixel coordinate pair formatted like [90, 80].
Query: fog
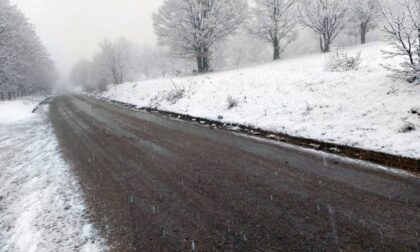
[71, 30]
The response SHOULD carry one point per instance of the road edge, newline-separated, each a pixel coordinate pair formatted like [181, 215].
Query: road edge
[47, 100]
[380, 158]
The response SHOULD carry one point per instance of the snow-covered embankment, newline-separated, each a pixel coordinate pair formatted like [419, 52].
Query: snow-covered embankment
[364, 108]
[41, 205]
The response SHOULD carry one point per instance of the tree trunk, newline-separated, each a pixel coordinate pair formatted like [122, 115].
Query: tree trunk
[325, 43]
[203, 62]
[418, 49]
[276, 47]
[206, 60]
[363, 32]
[326, 47]
[199, 64]
[115, 76]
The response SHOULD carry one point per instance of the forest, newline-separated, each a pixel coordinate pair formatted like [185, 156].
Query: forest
[25, 64]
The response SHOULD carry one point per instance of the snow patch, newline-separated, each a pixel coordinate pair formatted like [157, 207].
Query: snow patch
[18, 110]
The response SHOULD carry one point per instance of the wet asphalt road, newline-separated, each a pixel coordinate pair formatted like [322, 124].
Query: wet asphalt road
[156, 184]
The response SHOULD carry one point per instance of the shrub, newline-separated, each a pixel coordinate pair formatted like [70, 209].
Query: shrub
[407, 127]
[172, 97]
[231, 102]
[175, 95]
[341, 61]
[155, 101]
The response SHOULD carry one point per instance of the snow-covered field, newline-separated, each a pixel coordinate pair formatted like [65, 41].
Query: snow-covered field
[41, 206]
[364, 108]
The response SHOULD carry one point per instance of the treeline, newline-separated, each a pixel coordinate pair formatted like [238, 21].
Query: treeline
[120, 61]
[213, 33]
[25, 63]
[193, 28]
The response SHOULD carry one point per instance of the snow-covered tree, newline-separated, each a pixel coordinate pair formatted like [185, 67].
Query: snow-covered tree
[232, 54]
[325, 17]
[190, 28]
[24, 61]
[275, 22]
[363, 17]
[152, 62]
[123, 60]
[403, 31]
[116, 57]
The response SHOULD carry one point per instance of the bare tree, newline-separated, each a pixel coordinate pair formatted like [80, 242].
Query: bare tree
[116, 57]
[363, 16]
[191, 27]
[403, 32]
[274, 21]
[121, 61]
[325, 17]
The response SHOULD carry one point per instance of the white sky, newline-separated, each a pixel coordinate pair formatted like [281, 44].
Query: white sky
[71, 29]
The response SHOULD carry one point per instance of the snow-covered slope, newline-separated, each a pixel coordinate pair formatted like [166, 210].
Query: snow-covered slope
[363, 108]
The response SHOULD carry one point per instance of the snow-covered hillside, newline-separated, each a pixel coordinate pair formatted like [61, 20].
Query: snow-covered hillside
[363, 108]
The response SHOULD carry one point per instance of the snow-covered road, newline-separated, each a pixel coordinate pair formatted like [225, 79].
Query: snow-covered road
[41, 205]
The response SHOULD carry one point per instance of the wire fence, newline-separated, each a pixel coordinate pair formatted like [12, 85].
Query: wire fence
[14, 94]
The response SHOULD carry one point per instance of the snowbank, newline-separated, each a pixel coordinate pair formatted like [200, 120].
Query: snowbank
[18, 110]
[41, 204]
[363, 108]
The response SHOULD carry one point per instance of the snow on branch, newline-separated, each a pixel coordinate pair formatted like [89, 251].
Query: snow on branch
[403, 32]
[325, 17]
[190, 28]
